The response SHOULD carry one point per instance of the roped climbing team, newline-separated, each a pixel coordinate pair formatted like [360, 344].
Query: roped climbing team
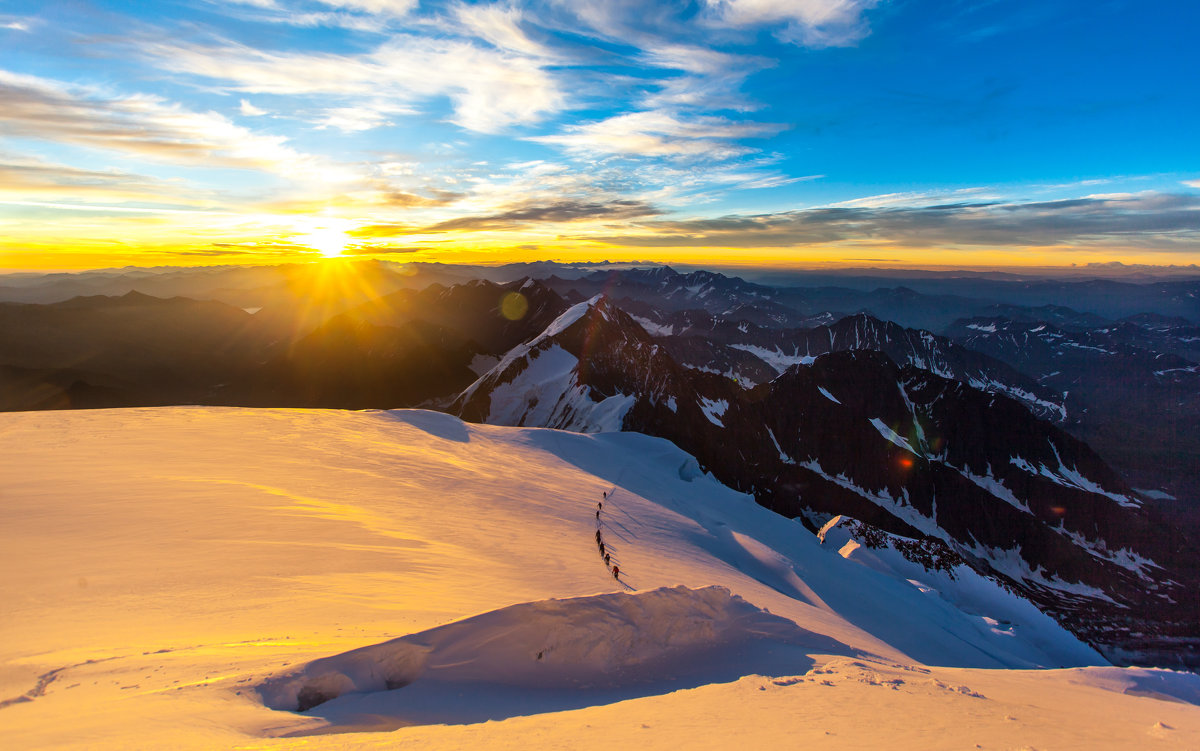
[616, 570]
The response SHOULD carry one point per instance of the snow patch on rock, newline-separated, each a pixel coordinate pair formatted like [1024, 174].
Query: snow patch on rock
[1070, 477]
[713, 409]
[776, 358]
[989, 483]
[652, 328]
[892, 435]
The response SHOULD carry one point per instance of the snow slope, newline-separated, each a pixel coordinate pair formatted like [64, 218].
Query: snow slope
[173, 574]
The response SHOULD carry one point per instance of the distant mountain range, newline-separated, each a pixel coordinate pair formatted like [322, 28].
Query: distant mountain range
[916, 299]
[937, 304]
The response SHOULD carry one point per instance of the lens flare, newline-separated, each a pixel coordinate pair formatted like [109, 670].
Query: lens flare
[513, 306]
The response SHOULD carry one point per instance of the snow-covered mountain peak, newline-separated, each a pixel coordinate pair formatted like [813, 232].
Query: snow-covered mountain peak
[551, 380]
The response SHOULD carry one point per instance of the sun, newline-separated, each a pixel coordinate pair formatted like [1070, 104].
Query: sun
[330, 242]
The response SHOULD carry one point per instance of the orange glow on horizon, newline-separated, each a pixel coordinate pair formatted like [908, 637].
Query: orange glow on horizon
[296, 240]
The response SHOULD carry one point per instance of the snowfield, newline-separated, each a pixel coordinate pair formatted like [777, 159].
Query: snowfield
[190, 577]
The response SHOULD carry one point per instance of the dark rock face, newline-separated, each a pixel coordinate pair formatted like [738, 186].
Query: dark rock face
[133, 350]
[898, 447]
[756, 354]
[1132, 396]
[475, 311]
[349, 364]
[409, 347]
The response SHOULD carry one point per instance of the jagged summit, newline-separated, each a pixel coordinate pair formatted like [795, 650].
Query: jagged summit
[569, 376]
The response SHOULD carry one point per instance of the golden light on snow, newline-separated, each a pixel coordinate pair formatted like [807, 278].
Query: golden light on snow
[232, 549]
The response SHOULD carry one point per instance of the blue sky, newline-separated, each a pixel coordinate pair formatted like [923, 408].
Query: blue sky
[773, 131]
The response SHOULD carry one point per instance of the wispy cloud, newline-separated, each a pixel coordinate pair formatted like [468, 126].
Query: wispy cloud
[917, 199]
[249, 110]
[145, 125]
[365, 16]
[812, 23]
[108, 209]
[490, 90]
[25, 176]
[1153, 220]
[359, 118]
[700, 60]
[502, 124]
[659, 134]
[386, 7]
[504, 27]
[564, 211]
[371, 194]
[376, 250]
[551, 213]
[713, 79]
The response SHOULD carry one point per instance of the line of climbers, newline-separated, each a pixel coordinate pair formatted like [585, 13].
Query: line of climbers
[605, 554]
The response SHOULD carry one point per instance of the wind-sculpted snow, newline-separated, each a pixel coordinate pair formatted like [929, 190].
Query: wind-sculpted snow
[556, 653]
[191, 555]
[1169, 685]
